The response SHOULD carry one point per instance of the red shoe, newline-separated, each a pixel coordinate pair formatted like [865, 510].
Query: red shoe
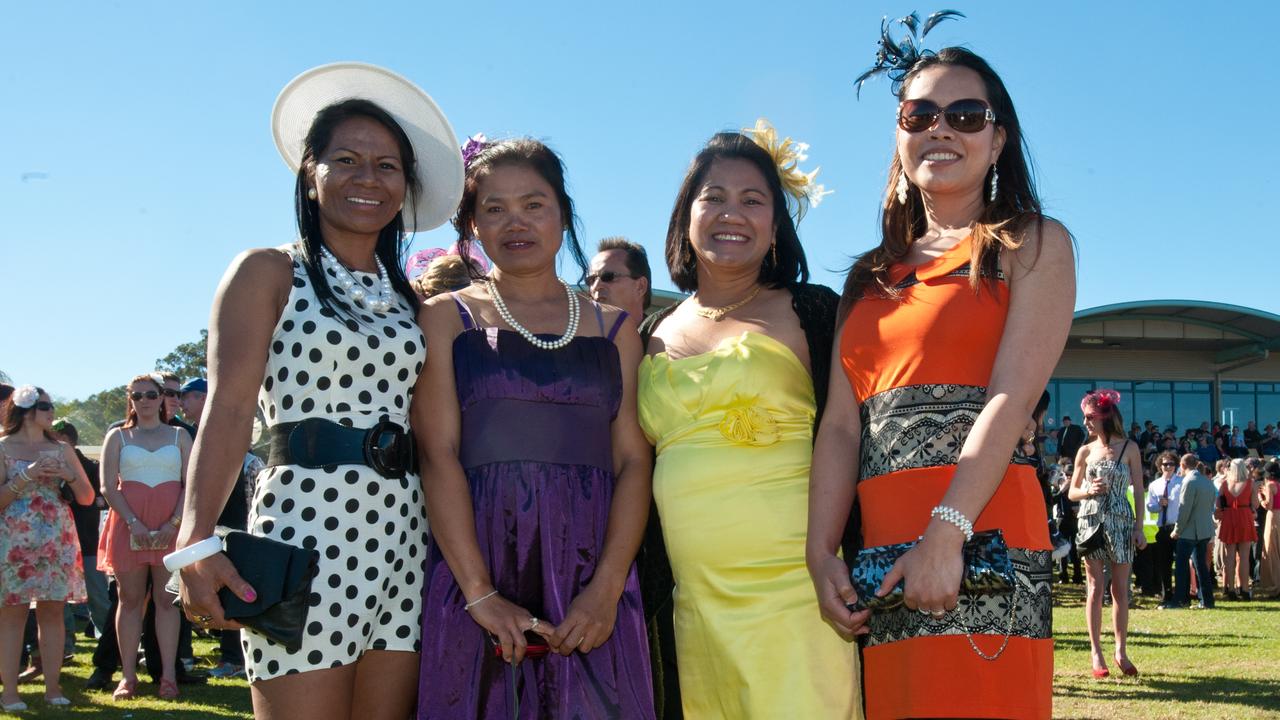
[1099, 673]
[1127, 668]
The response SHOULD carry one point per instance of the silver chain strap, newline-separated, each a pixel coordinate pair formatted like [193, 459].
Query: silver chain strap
[1013, 611]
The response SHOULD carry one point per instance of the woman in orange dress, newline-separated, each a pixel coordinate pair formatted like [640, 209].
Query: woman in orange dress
[950, 330]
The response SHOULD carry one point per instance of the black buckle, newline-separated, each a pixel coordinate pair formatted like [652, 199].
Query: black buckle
[386, 449]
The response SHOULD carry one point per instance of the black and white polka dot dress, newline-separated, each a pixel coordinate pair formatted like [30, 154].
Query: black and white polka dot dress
[370, 531]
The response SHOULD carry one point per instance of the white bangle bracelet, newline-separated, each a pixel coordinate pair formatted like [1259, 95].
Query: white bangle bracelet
[193, 553]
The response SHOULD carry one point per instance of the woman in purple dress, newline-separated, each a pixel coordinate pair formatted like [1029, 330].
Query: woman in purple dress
[535, 470]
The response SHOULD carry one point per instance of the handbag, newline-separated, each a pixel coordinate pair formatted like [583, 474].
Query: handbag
[987, 570]
[280, 573]
[1090, 539]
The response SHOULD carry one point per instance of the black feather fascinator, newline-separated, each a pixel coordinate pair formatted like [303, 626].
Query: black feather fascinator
[896, 58]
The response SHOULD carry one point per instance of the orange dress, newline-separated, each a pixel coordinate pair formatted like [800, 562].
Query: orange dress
[919, 366]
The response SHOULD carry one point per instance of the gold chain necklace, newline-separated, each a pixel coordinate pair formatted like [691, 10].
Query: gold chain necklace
[717, 313]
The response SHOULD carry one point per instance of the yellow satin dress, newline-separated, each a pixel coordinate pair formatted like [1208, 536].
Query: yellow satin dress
[733, 429]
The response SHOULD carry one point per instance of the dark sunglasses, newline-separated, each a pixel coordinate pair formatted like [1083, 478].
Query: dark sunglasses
[966, 116]
[43, 405]
[150, 395]
[1168, 464]
[169, 393]
[607, 277]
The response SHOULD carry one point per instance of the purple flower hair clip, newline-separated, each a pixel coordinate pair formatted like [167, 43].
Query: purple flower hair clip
[473, 147]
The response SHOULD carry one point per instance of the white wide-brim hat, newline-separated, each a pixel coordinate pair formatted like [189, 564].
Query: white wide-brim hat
[439, 159]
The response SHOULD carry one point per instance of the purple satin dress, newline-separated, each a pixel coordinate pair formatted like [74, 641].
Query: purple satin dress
[536, 448]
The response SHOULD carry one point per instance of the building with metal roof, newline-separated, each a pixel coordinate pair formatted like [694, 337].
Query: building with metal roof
[1175, 362]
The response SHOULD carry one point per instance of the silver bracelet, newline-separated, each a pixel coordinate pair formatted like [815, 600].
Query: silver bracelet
[478, 600]
[955, 517]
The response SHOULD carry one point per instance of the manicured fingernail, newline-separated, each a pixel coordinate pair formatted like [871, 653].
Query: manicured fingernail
[250, 595]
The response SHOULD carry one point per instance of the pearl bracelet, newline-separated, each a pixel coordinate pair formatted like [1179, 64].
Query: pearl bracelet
[955, 517]
[193, 553]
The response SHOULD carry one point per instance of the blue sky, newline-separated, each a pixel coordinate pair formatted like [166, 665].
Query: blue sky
[138, 157]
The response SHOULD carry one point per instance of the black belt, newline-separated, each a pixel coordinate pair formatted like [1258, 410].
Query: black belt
[315, 443]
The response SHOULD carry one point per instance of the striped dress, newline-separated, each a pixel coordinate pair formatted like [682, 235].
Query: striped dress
[919, 365]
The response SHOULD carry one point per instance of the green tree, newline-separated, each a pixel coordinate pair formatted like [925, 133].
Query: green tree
[94, 414]
[188, 360]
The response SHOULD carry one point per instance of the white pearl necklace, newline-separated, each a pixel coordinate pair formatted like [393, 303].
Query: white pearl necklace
[354, 290]
[569, 332]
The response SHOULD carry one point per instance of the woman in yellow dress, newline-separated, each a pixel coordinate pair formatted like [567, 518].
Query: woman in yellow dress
[728, 399]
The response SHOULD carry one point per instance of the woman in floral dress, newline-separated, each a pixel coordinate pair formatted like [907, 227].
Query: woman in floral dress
[39, 552]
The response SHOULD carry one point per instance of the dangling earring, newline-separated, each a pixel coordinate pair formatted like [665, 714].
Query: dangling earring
[773, 253]
[311, 193]
[995, 183]
[902, 188]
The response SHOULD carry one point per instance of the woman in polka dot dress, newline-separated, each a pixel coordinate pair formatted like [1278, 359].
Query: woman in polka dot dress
[324, 331]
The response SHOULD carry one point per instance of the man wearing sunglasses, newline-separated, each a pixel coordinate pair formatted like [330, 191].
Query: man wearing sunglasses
[1163, 499]
[620, 276]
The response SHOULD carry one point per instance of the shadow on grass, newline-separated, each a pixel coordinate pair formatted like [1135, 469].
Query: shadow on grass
[1079, 641]
[1260, 694]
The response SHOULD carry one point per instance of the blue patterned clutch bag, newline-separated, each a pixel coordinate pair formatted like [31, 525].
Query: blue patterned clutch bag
[987, 570]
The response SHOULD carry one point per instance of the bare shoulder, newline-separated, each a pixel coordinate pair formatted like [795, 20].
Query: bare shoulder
[1045, 240]
[262, 265]
[440, 313]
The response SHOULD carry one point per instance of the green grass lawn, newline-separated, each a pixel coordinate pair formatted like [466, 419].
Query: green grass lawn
[1222, 663]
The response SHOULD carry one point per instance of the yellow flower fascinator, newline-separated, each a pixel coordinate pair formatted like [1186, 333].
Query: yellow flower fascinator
[787, 154]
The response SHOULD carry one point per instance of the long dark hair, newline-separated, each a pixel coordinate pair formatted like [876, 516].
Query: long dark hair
[15, 416]
[790, 268]
[539, 158]
[1016, 208]
[391, 239]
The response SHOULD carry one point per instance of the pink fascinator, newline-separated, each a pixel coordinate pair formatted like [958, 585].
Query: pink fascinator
[1103, 400]
[418, 262]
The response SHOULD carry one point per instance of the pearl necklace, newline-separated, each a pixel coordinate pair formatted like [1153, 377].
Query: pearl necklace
[507, 317]
[380, 303]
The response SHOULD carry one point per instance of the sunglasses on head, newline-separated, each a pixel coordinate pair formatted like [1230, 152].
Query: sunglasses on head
[608, 276]
[966, 116]
[43, 405]
[150, 395]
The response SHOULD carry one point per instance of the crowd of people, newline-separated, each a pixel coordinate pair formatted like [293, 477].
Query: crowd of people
[89, 535]
[1181, 516]
[629, 516]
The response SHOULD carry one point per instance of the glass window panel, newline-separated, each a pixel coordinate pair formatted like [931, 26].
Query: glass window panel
[1244, 387]
[1156, 407]
[1069, 394]
[1190, 409]
[1184, 386]
[1268, 409]
[1228, 387]
[1238, 408]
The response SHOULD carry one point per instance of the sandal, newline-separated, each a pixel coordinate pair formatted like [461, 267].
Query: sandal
[125, 690]
[58, 701]
[168, 690]
[14, 707]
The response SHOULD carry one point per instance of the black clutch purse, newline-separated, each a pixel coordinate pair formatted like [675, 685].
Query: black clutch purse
[281, 574]
[987, 570]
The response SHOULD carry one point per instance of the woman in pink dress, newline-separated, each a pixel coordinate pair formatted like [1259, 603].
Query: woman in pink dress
[39, 553]
[143, 463]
